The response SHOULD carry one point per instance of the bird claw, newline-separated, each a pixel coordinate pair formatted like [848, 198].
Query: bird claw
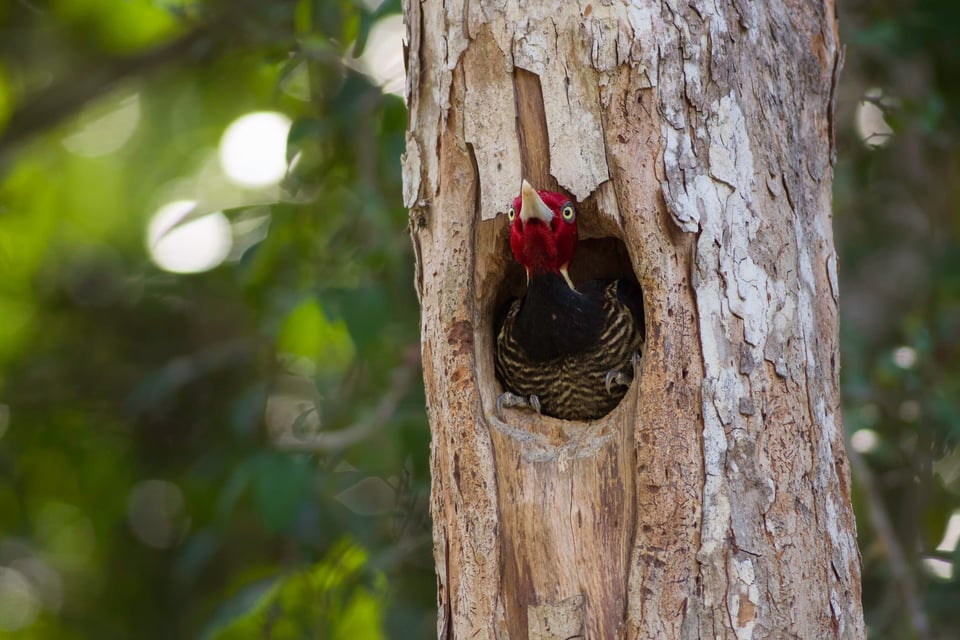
[508, 399]
[608, 381]
[617, 378]
[534, 402]
[621, 379]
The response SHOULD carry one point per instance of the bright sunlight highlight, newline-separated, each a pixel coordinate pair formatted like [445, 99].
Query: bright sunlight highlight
[195, 245]
[951, 537]
[871, 123]
[253, 149]
[382, 58]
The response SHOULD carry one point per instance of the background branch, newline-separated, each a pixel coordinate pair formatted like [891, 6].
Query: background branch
[883, 527]
[66, 98]
[401, 382]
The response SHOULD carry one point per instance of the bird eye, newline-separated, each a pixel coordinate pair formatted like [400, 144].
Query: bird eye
[511, 213]
[568, 213]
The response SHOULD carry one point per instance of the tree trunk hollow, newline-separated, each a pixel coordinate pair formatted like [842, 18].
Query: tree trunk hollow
[714, 500]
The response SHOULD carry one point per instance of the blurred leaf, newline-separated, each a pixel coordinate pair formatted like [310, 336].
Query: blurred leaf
[242, 616]
[329, 600]
[280, 485]
[363, 309]
[248, 409]
[6, 98]
[16, 314]
[121, 27]
[304, 133]
[370, 496]
[308, 333]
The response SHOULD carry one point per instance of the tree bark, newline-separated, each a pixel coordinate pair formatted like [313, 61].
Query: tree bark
[714, 501]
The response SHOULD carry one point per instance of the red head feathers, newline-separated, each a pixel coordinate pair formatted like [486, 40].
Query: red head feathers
[543, 231]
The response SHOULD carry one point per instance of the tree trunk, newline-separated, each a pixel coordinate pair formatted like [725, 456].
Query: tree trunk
[714, 501]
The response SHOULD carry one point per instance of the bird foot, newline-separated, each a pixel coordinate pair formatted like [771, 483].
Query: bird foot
[507, 399]
[617, 378]
[621, 379]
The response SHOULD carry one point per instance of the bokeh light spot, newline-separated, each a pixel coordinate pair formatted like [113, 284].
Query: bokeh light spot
[253, 149]
[155, 513]
[191, 247]
[44, 579]
[865, 440]
[19, 604]
[905, 357]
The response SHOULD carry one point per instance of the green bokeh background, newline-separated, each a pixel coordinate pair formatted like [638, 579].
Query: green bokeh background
[165, 465]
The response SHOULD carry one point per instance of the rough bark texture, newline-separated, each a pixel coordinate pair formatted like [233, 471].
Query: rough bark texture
[714, 502]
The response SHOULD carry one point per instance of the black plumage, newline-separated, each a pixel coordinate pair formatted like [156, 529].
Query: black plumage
[560, 344]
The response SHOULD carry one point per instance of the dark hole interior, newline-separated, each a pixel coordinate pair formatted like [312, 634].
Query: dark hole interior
[596, 259]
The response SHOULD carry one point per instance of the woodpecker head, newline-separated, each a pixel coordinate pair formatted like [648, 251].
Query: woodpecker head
[543, 231]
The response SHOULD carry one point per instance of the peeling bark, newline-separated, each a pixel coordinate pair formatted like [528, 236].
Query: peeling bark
[714, 502]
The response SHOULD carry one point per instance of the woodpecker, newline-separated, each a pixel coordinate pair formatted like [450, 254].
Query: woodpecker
[563, 350]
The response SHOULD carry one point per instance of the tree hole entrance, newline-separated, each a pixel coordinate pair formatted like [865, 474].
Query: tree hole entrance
[502, 281]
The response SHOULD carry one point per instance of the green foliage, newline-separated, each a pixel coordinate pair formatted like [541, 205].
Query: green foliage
[898, 236]
[162, 453]
[243, 452]
[330, 597]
